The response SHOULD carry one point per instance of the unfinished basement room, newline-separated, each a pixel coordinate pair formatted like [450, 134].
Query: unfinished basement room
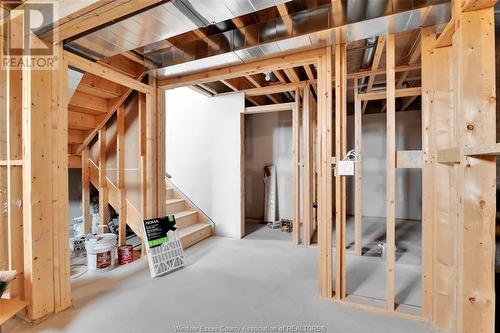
[249, 166]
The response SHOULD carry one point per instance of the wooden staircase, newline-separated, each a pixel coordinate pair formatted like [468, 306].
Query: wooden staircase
[193, 225]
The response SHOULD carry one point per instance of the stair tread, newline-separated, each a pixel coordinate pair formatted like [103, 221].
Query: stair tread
[193, 228]
[176, 200]
[184, 213]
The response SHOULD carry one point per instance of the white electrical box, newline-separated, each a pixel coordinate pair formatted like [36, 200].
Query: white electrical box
[345, 168]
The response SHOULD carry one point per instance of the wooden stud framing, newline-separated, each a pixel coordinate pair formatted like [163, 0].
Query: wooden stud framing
[296, 168]
[87, 221]
[161, 151]
[45, 190]
[143, 163]
[270, 108]
[151, 148]
[308, 174]
[325, 195]
[474, 61]
[120, 151]
[14, 180]
[375, 63]
[340, 152]
[103, 191]
[428, 37]
[391, 170]
[271, 64]
[358, 180]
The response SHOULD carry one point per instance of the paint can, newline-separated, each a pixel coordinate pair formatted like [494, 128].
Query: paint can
[125, 254]
[101, 252]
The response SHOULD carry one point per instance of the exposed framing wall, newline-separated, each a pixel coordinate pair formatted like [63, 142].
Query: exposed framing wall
[450, 292]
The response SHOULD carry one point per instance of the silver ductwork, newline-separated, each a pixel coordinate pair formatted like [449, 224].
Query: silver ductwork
[303, 30]
[368, 56]
[156, 24]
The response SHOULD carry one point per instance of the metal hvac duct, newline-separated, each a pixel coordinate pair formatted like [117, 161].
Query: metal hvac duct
[307, 29]
[163, 21]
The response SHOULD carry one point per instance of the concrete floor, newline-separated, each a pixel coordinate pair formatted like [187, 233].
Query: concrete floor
[366, 275]
[262, 280]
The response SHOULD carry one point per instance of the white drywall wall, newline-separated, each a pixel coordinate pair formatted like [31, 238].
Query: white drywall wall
[203, 153]
[268, 140]
[408, 181]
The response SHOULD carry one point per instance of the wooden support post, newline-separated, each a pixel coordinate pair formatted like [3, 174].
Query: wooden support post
[358, 179]
[325, 196]
[45, 190]
[142, 156]
[391, 171]
[15, 180]
[475, 98]
[4, 101]
[428, 38]
[440, 225]
[308, 173]
[161, 151]
[296, 168]
[87, 219]
[62, 284]
[103, 188]
[120, 151]
[151, 148]
[340, 152]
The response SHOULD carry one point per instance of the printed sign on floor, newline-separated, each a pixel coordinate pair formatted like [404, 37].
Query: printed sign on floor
[163, 245]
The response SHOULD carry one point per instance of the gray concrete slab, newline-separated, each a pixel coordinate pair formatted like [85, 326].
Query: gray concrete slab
[262, 280]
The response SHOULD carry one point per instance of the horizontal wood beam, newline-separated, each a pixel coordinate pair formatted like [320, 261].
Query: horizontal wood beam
[270, 108]
[381, 71]
[409, 159]
[491, 150]
[261, 66]
[11, 162]
[406, 92]
[106, 73]
[452, 155]
[274, 89]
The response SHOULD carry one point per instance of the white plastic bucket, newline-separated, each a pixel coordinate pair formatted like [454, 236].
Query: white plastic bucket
[101, 252]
